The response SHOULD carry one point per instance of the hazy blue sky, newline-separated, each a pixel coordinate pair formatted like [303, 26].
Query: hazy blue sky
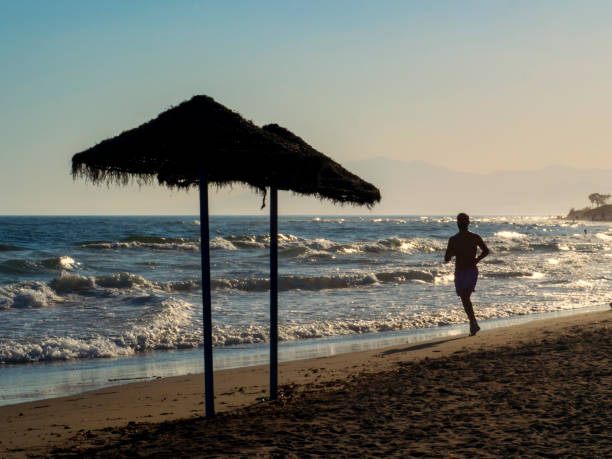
[472, 85]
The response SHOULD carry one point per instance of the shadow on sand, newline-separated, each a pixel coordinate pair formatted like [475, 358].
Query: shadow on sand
[419, 346]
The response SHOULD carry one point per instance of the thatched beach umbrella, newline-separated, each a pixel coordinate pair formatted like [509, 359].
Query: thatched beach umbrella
[200, 142]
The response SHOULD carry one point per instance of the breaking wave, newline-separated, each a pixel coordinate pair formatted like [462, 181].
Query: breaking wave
[396, 221]
[30, 294]
[231, 336]
[291, 245]
[340, 281]
[21, 266]
[35, 294]
[328, 220]
[40, 294]
[56, 348]
[163, 326]
[510, 235]
[604, 236]
[145, 242]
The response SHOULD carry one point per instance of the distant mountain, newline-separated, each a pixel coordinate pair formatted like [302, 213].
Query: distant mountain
[416, 187]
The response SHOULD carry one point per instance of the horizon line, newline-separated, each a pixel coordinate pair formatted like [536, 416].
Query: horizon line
[442, 214]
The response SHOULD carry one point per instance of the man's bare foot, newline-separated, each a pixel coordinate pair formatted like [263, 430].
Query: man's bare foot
[474, 330]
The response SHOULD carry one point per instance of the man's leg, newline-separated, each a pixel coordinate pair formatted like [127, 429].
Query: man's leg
[469, 310]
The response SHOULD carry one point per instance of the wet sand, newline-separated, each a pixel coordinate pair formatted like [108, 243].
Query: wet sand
[541, 389]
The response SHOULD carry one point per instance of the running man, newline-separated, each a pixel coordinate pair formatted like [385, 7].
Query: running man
[463, 246]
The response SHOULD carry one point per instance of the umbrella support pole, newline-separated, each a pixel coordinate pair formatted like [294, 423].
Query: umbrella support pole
[209, 393]
[273, 293]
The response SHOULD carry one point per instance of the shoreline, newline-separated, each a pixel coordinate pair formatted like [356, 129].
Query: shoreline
[46, 380]
[36, 427]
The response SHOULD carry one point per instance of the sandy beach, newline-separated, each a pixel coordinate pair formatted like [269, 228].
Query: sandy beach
[542, 389]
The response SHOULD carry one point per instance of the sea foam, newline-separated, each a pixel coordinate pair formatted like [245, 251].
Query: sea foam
[30, 294]
[160, 326]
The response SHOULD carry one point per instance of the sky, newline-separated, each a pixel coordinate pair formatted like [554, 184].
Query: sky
[474, 86]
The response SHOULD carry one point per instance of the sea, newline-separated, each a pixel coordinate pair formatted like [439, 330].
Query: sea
[93, 301]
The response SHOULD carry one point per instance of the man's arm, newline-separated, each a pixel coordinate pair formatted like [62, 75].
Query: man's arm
[484, 250]
[450, 251]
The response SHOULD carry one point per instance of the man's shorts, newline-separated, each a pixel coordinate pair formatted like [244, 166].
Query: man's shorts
[465, 279]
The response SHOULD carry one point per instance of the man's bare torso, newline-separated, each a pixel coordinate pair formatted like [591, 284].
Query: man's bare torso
[464, 246]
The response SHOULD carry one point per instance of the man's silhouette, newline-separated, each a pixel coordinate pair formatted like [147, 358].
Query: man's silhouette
[463, 246]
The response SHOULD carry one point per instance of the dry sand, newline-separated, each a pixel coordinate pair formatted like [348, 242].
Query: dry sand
[540, 389]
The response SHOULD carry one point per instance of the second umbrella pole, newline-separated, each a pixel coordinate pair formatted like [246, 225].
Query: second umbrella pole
[209, 393]
[273, 293]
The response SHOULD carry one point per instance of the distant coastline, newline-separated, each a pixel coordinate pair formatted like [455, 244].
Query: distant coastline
[598, 214]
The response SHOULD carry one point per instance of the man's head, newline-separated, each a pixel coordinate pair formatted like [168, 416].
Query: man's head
[463, 221]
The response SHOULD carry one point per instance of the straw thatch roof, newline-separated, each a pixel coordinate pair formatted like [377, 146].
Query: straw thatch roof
[320, 174]
[201, 134]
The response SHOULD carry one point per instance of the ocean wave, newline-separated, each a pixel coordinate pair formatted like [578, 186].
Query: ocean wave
[236, 335]
[32, 294]
[290, 245]
[313, 283]
[159, 239]
[232, 336]
[604, 236]
[186, 222]
[24, 266]
[57, 290]
[396, 221]
[69, 283]
[247, 241]
[396, 244]
[328, 220]
[123, 280]
[56, 348]
[522, 245]
[133, 283]
[262, 241]
[161, 326]
[166, 324]
[145, 242]
[126, 280]
[35, 294]
[510, 235]
[220, 243]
